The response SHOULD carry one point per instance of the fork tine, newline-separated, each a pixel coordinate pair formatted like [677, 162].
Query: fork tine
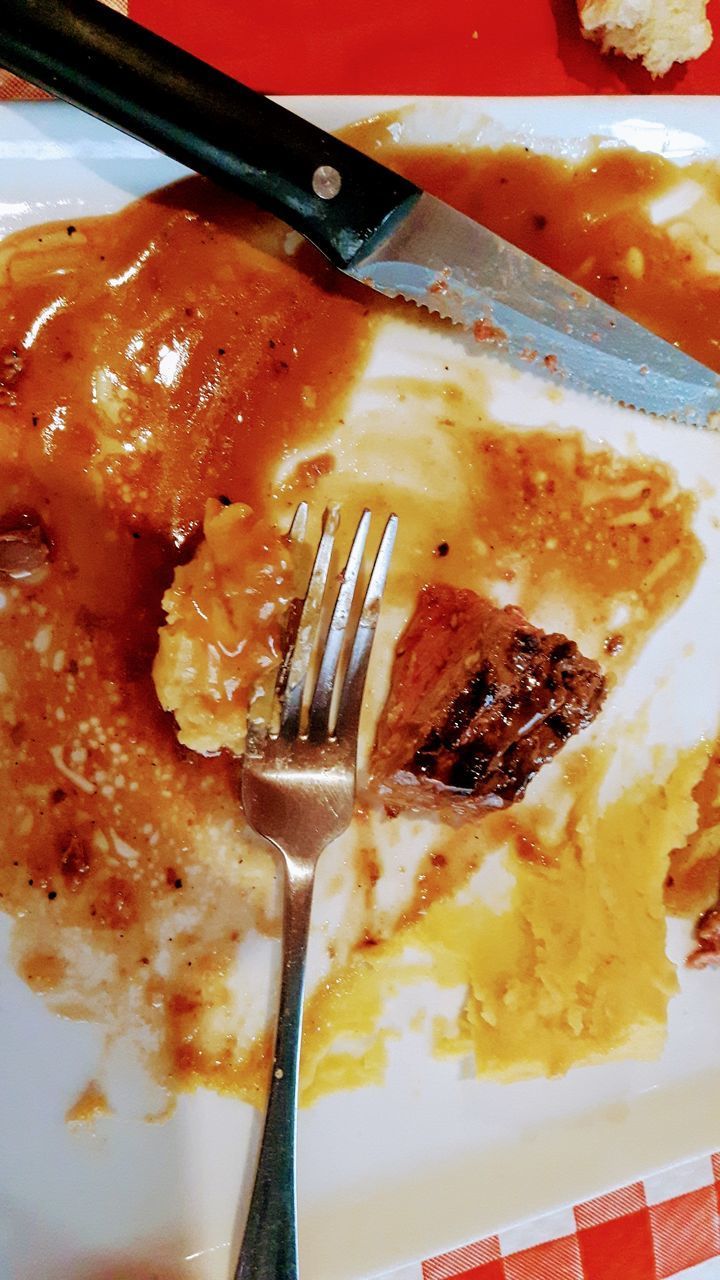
[348, 717]
[319, 717]
[255, 737]
[298, 527]
[293, 676]
[295, 536]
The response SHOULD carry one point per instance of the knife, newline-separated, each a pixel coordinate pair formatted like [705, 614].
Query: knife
[374, 225]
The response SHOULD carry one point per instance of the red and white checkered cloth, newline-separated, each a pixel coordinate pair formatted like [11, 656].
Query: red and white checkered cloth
[667, 1225]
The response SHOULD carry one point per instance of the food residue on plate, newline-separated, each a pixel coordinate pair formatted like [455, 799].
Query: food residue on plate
[90, 1104]
[178, 354]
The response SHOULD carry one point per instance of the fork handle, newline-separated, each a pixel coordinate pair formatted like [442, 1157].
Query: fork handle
[269, 1249]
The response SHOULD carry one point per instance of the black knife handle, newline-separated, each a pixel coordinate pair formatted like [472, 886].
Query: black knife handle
[84, 52]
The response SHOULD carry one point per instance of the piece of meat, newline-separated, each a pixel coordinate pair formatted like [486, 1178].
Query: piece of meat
[479, 701]
[24, 544]
[11, 367]
[707, 935]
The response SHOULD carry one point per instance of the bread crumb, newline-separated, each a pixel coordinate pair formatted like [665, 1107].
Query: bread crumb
[658, 32]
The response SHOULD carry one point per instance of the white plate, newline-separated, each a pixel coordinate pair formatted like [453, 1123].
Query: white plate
[430, 1160]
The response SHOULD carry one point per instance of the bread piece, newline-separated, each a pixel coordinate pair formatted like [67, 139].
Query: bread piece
[659, 32]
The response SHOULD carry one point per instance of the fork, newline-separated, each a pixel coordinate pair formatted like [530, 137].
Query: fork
[298, 791]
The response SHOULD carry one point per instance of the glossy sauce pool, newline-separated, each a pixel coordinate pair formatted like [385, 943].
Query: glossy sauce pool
[174, 352]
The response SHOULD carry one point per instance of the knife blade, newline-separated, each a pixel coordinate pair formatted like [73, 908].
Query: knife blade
[450, 264]
[371, 223]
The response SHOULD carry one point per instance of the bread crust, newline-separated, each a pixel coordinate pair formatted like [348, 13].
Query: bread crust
[660, 33]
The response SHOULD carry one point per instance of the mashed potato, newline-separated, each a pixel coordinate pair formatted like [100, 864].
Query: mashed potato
[224, 627]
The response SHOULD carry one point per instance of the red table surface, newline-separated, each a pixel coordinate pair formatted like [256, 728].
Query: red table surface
[467, 47]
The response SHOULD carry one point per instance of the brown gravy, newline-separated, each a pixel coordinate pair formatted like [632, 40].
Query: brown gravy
[162, 356]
